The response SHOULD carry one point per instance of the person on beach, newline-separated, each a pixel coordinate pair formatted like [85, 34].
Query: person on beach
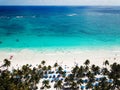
[11, 57]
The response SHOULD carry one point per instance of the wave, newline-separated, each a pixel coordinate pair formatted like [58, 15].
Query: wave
[73, 14]
[26, 16]
[19, 16]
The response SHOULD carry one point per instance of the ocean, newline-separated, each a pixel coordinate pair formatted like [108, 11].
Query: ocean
[59, 27]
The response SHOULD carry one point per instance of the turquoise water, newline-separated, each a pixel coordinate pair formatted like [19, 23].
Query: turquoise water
[51, 27]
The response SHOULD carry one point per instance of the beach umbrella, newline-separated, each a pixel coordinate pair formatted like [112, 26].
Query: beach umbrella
[53, 76]
[82, 87]
[50, 76]
[58, 75]
[46, 76]
[97, 79]
[61, 79]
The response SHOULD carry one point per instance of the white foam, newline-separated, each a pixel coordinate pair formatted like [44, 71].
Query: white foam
[19, 16]
[73, 14]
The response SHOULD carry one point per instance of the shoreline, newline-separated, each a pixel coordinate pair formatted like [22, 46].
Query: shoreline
[62, 57]
[61, 48]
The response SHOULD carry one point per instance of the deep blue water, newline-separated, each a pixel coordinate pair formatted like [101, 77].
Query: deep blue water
[59, 26]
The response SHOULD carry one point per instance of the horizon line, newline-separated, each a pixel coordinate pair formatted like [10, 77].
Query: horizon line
[64, 5]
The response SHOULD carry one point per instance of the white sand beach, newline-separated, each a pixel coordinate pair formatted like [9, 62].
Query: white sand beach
[62, 57]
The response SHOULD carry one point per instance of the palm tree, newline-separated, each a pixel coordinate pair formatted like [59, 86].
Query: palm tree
[75, 69]
[87, 62]
[43, 62]
[86, 68]
[39, 66]
[105, 71]
[60, 70]
[7, 63]
[80, 73]
[106, 63]
[5, 80]
[73, 85]
[89, 85]
[115, 75]
[95, 69]
[103, 83]
[44, 68]
[91, 80]
[55, 65]
[49, 67]
[27, 78]
[45, 85]
[79, 81]
[58, 85]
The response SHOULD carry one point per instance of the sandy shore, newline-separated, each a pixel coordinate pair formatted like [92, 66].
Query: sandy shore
[62, 57]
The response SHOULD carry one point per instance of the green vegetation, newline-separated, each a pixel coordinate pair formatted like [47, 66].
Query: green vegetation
[43, 77]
